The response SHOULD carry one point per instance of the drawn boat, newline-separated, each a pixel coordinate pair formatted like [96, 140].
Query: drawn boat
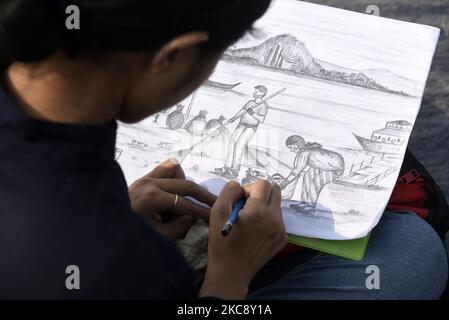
[222, 86]
[381, 147]
[391, 139]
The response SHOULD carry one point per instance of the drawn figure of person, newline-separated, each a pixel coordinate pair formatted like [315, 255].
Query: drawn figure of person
[251, 116]
[316, 165]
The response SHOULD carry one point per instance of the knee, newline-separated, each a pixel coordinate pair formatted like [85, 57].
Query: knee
[415, 263]
[446, 241]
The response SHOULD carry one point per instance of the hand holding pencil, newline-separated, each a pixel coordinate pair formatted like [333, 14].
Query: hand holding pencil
[257, 236]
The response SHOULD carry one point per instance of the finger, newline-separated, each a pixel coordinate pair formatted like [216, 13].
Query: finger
[177, 229]
[275, 197]
[168, 169]
[230, 194]
[187, 207]
[187, 188]
[259, 192]
[169, 207]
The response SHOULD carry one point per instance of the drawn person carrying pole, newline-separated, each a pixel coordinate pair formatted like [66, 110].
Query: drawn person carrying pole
[316, 165]
[251, 116]
[183, 153]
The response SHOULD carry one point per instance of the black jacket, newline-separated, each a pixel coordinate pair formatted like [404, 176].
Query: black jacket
[64, 201]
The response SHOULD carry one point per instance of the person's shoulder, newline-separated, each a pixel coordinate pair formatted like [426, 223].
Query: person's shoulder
[265, 105]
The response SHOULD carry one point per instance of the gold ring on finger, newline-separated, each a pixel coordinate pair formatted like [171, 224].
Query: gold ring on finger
[176, 201]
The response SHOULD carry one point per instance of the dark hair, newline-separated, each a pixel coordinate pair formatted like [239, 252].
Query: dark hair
[295, 141]
[31, 30]
[262, 89]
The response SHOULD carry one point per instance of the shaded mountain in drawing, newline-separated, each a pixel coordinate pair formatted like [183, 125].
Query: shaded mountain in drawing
[392, 81]
[287, 54]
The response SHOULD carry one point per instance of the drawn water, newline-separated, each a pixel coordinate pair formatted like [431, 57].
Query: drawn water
[309, 102]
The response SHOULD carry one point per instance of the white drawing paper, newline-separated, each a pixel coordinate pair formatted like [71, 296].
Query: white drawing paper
[320, 100]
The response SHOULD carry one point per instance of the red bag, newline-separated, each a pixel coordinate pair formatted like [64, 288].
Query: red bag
[417, 191]
[411, 194]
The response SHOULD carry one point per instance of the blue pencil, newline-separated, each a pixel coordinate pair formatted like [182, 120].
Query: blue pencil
[234, 217]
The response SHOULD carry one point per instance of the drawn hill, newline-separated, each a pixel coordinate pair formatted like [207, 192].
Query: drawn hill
[287, 54]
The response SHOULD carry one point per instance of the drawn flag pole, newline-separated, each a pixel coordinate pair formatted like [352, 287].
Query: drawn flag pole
[182, 154]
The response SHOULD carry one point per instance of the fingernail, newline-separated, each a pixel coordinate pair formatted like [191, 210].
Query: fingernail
[174, 161]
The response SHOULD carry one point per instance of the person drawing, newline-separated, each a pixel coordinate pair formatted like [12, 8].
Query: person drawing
[316, 165]
[61, 96]
[251, 116]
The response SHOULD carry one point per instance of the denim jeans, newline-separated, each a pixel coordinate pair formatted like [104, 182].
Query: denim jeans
[411, 260]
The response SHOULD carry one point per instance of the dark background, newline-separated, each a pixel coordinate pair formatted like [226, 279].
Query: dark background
[430, 138]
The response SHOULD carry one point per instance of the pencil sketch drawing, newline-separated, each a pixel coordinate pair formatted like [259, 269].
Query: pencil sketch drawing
[391, 139]
[320, 101]
[289, 55]
[316, 165]
[250, 117]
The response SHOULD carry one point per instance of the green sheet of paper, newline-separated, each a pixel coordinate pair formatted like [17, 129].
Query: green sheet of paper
[351, 249]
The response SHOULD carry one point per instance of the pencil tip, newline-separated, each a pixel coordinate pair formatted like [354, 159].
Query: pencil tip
[227, 228]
